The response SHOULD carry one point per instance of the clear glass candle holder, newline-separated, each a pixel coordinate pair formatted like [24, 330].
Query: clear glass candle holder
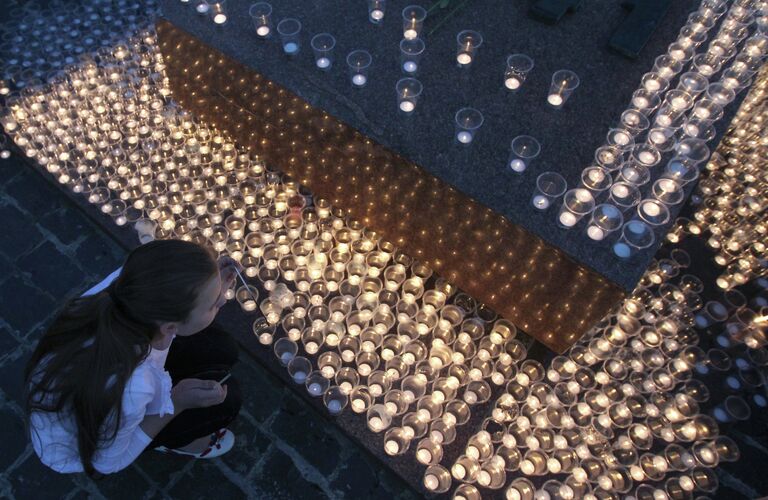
[653, 212]
[289, 30]
[605, 219]
[359, 63]
[376, 10]
[261, 16]
[549, 187]
[576, 204]
[516, 72]
[335, 400]
[524, 149]
[285, 349]
[564, 82]
[635, 236]
[411, 51]
[248, 298]
[298, 368]
[468, 122]
[408, 92]
[668, 191]
[624, 195]
[322, 46]
[413, 21]
[218, 11]
[596, 179]
[316, 384]
[468, 42]
[437, 479]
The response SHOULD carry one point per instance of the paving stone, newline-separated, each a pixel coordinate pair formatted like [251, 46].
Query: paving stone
[205, 481]
[12, 375]
[9, 168]
[32, 479]
[8, 342]
[303, 430]
[113, 486]
[99, 255]
[357, 476]
[279, 478]
[22, 306]
[67, 224]
[14, 437]
[262, 392]
[160, 467]
[6, 268]
[36, 194]
[19, 232]
[51, 270]
[250, 445]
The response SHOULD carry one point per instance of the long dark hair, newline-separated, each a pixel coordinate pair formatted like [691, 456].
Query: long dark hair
[96, 342]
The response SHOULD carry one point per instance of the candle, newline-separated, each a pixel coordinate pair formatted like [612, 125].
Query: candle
[517, 165]
[345, 387]
[358, 405]
[555, 99]
[263, 31]
[484, 478]
[647, 157]
[323, 62]
[595, 233]
[407, 106]
[291, 48]
[640, 102]
[374, 389]
[430, 481]
[651, 209]
[464, 137]
[334, 406]
[458, 471]
[652, 85]
[377, 14]
[621, 138]
[220, 18]
[410, 66]
[463, 58]
[410, 34]
[286, 357]
[512, 83]
[470, 397]
[311, 347]
[424, 456]
[249, 305]
[299, 377]
[202, 7]
[596, 175]
[315, 389]
[678, 102]
[540, 201]
[391, 447]
[567, 219]
[348, 355]
[265, 338]
[375, 423]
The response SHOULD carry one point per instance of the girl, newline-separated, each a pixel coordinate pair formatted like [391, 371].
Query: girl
[98, 392]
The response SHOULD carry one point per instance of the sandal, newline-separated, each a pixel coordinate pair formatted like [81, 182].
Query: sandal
[221, 442]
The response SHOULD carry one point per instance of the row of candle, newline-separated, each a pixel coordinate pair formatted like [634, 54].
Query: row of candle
[686, 139]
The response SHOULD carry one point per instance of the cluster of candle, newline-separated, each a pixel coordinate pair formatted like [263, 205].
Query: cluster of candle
[626, 193]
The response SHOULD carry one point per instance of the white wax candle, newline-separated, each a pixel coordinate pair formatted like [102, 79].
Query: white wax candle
[621, 138]
[358, 405]
[647, 157]
[249, 305]
[220, 18]
[464, 137]
[377, 14]
[286, 357]
[424, 456]
[463, 58]
[658, 137]
[555, 100]
[678, 102]
[410, 34]
[458, 471]
[375, 389]
[265, 338]
[410, 66]
[541, 202]
[596, 176]
[263, 31]
[359, 80]
[470, 397]
[595, 233]
[652, 85]
[291, 48]
[512, 83]
[348, 355]
[430, 481]
[640, 102]
[202, 7]
[483, 478]
[517, 165]
[315, 388]
[621, 249]
[651, 209]
[407, 106]
[299, 377]
[323, 62]
[391, 447]
[568, 219]
[375, 423]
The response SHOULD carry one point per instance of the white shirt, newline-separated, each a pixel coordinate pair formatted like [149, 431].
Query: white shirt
[147, 392]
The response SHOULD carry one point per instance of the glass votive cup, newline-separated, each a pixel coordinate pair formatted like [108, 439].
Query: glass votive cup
[662, 138]
[564, 82]
[720, 94]
[635, 237]
[468, 42]
[396, 441]
[653, 212]
[520, 489]
[408, 92]
[605, 219]
[517, 68]
[360, 399]
[621, 138]
[261, 15]
[285, 349]
[322, 46]
[437, 479]
[635, 174]
[376, 9]
[468, 121]
[359, 62]
[410, 55]
[413, 21]
[289, 30]
[682, 170]
[335, 400]
[247, 297]
[645, 101]
[316, 384]
[596, 179]
[524, 149]
[298, 368]
[693, 83]
[668, 191]
[378, 418]
[549, 187]
[218, 11]
[576, 204]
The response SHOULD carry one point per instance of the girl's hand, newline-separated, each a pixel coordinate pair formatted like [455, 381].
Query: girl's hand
[197, 393]
[227, 266]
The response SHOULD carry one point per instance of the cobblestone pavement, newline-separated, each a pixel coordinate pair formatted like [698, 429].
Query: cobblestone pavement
[50, 252]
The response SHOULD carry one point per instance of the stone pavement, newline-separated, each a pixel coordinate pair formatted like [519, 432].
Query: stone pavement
[50, 252]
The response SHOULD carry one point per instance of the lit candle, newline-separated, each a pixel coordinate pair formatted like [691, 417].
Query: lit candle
[430, 480]
[567, 219]
[463, 58]
[410, 66]
[323, 62]
[555, 99]
[540, 201]
[377, 14]
[290, 48]
[424, 456]
[334, 406]
[512, 83]
[263, 31]
[410, 34]
[358, 405]
[517, 165]
[299, 377]
[407, 106]
[374, 389]
[464, 137]
[595, 233]
[375, 423]
[315, 388]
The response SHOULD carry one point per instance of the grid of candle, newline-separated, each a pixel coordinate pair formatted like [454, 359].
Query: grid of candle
[626, 196]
